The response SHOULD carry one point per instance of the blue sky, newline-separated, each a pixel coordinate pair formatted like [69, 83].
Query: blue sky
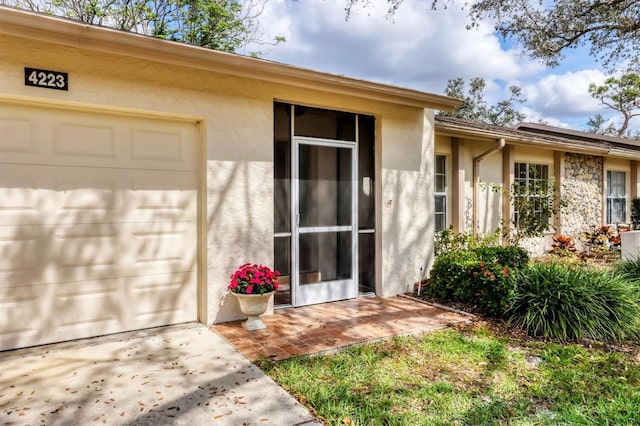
[421, 49]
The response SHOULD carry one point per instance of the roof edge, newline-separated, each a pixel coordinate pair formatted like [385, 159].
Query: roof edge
[522, 138]
[545, 128]
[31, 25]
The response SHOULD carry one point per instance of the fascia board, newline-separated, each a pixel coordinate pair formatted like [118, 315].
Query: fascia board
[624, 153]
[511, 140]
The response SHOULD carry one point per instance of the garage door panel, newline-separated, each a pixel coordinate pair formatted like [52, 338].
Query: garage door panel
[157, 145]
[82, 188]
[166, 196]
[164, 146]
[33, 194]
[68, 253]
[87, 308]
[17, 136]
[22, 320]
[163, 298]
[88, 302]
[17, 305]
[47, 194]
[19, 194]
[38, 254]
[160, 247]
[18, 249]
[50, 312]
[159, 241]
[98, 224]
[95, 141]
[85, 247]
[69, 138]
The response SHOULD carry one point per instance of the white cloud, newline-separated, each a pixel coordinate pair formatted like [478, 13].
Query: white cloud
[417, 47]
[534, 116]
[422, 49]
[565, 94]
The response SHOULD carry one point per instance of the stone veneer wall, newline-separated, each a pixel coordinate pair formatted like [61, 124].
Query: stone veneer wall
[582, 190]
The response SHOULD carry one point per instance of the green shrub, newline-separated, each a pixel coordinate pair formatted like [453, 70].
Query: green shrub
[556, 302]
[447, 240]
[490, 285]
[514, 257]
[449, 270]
[482, 276]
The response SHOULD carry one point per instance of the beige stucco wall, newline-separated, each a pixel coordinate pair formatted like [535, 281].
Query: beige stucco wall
[236, 116]
[442, 145]
[618, 164]
[407, 199]
[489, 189]
[489, 195]
[524, 154]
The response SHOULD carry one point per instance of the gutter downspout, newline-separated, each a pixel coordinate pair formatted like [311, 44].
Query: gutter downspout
[476, 180]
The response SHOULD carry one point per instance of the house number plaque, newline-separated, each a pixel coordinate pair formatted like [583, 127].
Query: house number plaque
[46, 78]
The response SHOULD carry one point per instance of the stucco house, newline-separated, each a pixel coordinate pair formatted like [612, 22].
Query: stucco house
[137, 174]
[596, 176]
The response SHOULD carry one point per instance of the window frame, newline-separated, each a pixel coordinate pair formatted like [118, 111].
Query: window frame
[610, 196]
[440, 194]
[529, 182]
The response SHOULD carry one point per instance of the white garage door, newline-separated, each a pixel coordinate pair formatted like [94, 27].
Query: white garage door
[98, 224]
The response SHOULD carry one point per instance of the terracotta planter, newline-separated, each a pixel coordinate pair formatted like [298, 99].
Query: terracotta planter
[253, 305]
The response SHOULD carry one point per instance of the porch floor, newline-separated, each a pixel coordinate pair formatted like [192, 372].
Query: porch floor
[330, 326]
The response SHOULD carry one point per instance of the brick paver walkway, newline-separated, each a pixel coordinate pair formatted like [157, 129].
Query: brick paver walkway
[330, 326]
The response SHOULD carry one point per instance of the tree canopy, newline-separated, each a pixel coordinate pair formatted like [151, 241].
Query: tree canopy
[215, 24]
[547, 29]
[621, 95]
[475, 107]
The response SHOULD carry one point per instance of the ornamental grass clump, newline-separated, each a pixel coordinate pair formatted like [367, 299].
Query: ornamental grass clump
[630, 269]
[252, 278]
[560, 303]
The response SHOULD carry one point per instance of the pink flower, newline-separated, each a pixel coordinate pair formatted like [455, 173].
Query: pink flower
[252, 279]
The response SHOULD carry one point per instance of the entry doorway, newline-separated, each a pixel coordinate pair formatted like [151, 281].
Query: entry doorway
[324, 214]
[324, 231]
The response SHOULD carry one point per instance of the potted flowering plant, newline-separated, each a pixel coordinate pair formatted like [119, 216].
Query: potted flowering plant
[252, 285]
[252, 278]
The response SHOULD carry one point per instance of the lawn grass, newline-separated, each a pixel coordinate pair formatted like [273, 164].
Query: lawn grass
[468, 377]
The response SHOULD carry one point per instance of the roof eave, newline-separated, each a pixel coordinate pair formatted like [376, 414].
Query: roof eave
[454, 131]
[75, 34]
[625, 153]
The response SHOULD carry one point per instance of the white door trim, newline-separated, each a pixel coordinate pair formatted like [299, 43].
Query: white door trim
[332, 290]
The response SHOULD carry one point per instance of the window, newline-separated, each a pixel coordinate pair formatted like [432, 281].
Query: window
[440, 192]
[531, 195]
[616, 197]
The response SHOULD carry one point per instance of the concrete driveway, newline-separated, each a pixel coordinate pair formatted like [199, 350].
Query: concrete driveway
[178, 375]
